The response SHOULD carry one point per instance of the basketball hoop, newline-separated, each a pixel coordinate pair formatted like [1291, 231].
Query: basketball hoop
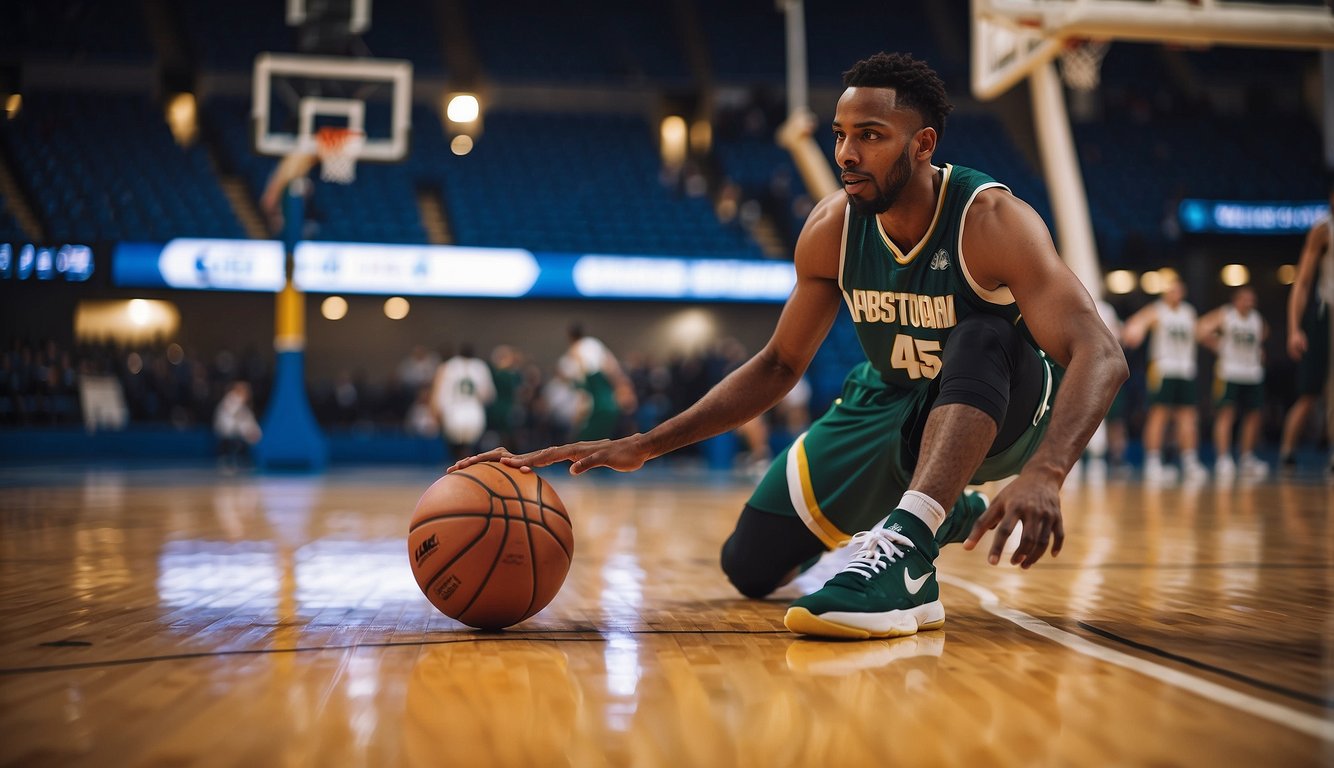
[337, 149]
[1081, 63]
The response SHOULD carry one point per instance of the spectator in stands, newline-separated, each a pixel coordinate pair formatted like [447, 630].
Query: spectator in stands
[1172, 380]
[1236, 333]
[418, 369]
[235, 426]
[1311, 334]
[420, 420]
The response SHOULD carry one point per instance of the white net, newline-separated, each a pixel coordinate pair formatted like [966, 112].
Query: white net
[337, 149]
[1081, 63]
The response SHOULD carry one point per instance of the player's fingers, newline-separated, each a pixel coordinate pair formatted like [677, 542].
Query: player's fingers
[986, 522]
[1058, 536]
[1003, 531]
[495, 454]
[539, 458]
[1035, 545]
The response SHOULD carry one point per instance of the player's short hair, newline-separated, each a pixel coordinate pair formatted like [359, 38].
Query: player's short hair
[916, 85]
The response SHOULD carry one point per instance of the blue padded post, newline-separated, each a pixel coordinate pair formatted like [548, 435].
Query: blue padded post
[292, 438]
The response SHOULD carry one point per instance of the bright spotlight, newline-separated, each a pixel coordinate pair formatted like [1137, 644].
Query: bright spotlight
[396, 308]
[334, 308]
[140, 311]
[1235, 275]
[1120, 282]
[461, 145]
[463, 108]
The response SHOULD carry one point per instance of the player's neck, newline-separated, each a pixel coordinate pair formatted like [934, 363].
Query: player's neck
[909, 219]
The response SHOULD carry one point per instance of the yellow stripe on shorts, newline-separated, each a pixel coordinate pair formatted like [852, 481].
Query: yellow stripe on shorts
[802, 494]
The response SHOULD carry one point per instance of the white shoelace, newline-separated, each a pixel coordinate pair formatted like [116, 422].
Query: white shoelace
[878, 548]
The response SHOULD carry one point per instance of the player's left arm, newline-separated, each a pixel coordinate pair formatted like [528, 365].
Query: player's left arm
[1007, 245]
[1207, 328]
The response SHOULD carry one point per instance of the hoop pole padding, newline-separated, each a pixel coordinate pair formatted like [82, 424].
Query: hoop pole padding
[1065, 183]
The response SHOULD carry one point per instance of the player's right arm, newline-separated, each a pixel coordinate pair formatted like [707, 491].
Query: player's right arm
[1317, 240]
[753, 388]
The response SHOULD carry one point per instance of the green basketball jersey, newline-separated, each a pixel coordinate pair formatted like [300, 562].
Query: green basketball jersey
[905, 305]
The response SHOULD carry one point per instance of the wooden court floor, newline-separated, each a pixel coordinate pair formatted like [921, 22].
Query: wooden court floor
[181, 617]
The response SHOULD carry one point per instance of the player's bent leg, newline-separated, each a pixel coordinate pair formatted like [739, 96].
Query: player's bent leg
[991, 402]
[767, 551]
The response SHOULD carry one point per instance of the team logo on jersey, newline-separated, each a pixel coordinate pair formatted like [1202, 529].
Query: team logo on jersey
[941, 260]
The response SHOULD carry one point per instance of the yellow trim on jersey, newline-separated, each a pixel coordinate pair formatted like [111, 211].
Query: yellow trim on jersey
[940, 206]
[802, 496]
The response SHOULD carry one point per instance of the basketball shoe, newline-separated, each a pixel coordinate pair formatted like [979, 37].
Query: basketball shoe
[887, 589]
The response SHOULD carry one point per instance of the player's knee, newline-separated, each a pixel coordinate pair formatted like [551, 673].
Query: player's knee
[979, 364]
[741, 569]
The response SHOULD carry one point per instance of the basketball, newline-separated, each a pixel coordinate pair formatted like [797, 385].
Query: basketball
[489, 545]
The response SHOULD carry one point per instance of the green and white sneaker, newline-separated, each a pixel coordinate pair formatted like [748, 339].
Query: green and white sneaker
[963, 515]
[888, 589]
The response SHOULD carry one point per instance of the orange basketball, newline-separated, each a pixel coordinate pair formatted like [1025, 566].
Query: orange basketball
[490, 545]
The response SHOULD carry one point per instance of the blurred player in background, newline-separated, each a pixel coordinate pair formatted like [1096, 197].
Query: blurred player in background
[1236, 333]
[461, 390]
[1311, 335]
[1172, 370]
[595, 369]
[955, 387]
[235, 426]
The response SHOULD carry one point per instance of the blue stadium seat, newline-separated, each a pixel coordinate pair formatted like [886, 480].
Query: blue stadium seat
[105, 167]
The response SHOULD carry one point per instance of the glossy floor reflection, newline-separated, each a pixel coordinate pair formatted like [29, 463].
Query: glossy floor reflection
[162, 618]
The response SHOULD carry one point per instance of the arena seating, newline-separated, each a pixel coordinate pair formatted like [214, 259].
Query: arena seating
[102, 167]
[584, 183]
[601, 42]
[105, 31]
[10, 232]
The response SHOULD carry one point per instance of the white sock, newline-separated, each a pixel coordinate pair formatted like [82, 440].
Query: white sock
[1189, 458]
[924, 508]
[1153, 457]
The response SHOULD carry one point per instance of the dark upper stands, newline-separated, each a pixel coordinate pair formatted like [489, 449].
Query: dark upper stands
[602, 42]
[105, 31]
[106, 168]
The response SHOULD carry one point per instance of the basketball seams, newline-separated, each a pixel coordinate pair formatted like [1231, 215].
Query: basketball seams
[532, 564]
[504, 537]
[457, 555]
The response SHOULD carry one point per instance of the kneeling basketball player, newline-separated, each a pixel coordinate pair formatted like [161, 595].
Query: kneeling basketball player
[969, 321]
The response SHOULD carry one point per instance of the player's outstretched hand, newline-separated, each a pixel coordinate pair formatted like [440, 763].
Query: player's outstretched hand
[624, 455]
[1297, 343]
[1034, 502]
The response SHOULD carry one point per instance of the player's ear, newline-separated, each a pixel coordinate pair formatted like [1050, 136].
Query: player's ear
[926, 142]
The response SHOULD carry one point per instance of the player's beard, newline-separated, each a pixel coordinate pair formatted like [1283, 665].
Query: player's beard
[888, 189]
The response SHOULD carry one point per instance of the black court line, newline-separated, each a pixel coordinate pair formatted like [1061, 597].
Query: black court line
[588, 636]
[1305, 698]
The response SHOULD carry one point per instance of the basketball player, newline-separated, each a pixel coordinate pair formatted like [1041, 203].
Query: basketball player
[460, 392]
[935, 263]
[1171, 380]
[1236, 332]
[1311, 333]
[595, 369]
